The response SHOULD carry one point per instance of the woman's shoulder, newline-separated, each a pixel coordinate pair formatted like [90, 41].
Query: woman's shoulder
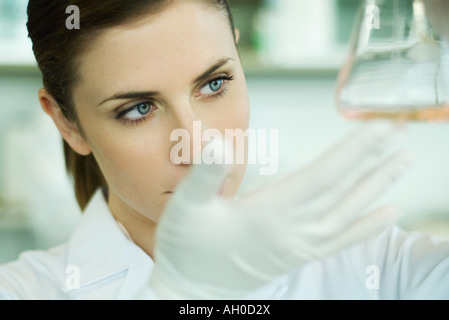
[33, 273]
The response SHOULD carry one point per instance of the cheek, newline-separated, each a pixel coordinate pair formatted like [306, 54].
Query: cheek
[123, 152]
[135, 168]
[235, 115]
[121, 163]
[234, 111]
[241, 103]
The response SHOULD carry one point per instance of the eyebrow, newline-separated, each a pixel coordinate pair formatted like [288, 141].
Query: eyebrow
[214, 68]
[149, 94]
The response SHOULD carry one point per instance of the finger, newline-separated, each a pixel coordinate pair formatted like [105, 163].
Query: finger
[330, 168]
[362, 228]
[339, 161]
[205, 179]
[368, 189]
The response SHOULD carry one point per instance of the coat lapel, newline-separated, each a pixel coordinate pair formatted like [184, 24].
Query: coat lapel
[101, 252]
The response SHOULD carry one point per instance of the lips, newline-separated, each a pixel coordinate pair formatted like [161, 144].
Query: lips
[219, 193]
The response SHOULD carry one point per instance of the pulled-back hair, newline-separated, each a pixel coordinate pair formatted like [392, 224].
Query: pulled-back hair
[58, 51]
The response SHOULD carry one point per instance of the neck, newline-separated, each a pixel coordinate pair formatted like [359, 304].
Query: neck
[140, 229]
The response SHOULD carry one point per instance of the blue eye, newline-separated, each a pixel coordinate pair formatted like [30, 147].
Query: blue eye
[216, 85]
[137, 111]
[143, 108]
[213, 87]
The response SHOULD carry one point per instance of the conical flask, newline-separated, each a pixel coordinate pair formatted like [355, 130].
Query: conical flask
[398, 64]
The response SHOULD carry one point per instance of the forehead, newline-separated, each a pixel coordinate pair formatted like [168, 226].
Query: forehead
[184, 38]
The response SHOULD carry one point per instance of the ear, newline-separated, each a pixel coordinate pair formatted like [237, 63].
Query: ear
[237, 35]
[68, 129]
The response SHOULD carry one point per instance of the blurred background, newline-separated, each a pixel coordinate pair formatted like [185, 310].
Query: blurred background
[291, 50]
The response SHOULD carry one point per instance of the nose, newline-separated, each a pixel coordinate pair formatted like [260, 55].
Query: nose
[186, 135]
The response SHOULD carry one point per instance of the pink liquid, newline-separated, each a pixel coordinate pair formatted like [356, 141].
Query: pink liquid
[425, 114]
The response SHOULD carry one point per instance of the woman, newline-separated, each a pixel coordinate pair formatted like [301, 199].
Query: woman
[117, 88]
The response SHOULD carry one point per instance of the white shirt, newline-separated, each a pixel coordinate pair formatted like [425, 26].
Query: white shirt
[101, 262]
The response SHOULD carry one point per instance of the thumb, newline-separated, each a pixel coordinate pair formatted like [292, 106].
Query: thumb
[205, 179]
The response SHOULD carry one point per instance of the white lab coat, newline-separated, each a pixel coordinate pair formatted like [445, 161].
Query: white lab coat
[100, 262]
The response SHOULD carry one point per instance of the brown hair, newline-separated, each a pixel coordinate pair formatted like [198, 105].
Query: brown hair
[57, 51]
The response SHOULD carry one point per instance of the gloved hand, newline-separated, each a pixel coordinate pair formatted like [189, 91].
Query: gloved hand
[208, 247]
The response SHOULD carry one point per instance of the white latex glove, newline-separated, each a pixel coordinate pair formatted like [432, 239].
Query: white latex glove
[208, 247]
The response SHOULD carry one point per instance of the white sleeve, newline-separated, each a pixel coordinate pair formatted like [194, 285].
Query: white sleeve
[6, 295]
[412, 265]
[394, 265]
[10, 288]
[27, 278]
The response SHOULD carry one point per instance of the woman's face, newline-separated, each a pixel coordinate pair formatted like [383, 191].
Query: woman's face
[142, 81]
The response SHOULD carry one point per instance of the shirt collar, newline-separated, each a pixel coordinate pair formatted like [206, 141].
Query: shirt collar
[98, 247]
